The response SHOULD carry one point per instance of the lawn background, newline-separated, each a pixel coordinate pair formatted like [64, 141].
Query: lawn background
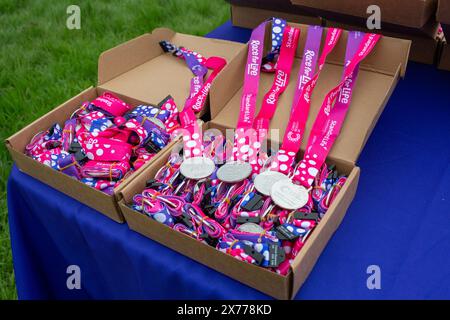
[43, 63]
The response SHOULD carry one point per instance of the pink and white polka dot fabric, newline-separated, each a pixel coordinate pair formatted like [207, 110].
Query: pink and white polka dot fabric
[251, 131]
[296, 126]
[172, 123]
[330, 118]
[100, 142]
[111, 104]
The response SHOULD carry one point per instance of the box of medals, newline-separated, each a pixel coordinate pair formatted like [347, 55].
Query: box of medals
[257, 192]
[95, 143]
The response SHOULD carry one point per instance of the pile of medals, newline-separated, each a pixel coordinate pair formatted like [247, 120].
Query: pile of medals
[105, 140]
[235, 217]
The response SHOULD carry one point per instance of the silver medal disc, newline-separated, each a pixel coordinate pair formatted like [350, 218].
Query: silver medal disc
[250, 227]
[197, 168]
[264, 181]
[233, 172]
[288, 195]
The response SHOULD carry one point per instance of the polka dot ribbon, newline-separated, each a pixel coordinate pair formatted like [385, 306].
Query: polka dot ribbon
[332, 114]
[269, 63]
[296, 126]
[104, 140]
[199, 66]
[251, 130]
[193, 144]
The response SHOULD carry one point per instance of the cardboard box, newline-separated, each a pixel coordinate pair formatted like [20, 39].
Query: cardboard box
[443, 12]
[139, 72]
[408, 13]
[444, 62]
[378, 76]
[250, 17]
[423, 49]
[443, 15]
[96, 199]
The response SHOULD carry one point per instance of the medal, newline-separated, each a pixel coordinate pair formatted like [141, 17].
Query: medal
[264, 181]
[288, 195]
[233, 172]
[197, 168]
[251, 227]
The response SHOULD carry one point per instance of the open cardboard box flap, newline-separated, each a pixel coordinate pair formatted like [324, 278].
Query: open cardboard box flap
[139, 68]
[76, 189]
[377, 78]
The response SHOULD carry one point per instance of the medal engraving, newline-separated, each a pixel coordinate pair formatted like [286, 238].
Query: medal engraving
[250, 227]
[264, 181]
[197, 168]
[233, 172]
[288, 195]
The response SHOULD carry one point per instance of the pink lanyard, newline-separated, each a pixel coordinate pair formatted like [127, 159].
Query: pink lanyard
[331, 116]
[246, 146]
[309, 60]
[196, 165]
[299, 115]
[289, 194]
[199, 66]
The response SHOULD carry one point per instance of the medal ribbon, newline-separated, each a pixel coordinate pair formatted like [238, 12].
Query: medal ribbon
[299, 114]
[199, 66]
[245, 146]
[193, 145]
[331, 116]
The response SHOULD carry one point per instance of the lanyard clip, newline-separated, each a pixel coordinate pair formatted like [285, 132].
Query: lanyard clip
[283, 233]
[150, 146]
[306, 216]
[153, 184]
[187, 220]
[276, 255]
[74, 147]
[255, 202]
[259, 258]
[242, 220]
[80, 157]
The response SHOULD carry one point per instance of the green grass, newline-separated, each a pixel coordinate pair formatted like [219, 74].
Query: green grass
[43, 63]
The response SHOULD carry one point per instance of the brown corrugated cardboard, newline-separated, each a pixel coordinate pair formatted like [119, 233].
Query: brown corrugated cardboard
[139, 72]
[423, 49]
[245, 14]
[408, 13]
[96, 199]
[249, 17]
[273, 284]
[443, 12]
[140, 69]
[377, 79]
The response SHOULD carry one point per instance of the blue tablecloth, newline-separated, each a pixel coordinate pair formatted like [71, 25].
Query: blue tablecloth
[399, 220]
